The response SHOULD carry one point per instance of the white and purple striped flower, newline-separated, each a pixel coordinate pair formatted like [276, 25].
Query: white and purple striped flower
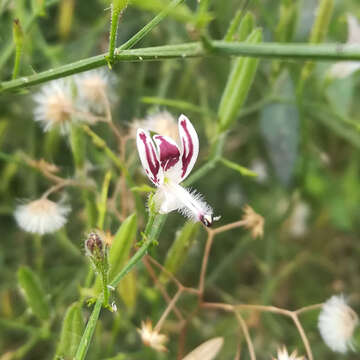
[167, 165]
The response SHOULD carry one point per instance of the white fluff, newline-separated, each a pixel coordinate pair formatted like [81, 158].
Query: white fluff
[54, 105]
[41, 216]
[336, 323]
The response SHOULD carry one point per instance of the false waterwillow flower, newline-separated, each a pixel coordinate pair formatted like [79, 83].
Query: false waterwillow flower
[284, 355]
[41, 216]
[343, 69]
[337, 322]
[152, 338]
[160, 123]
[167, 166]
[93, 89]
[54, 106]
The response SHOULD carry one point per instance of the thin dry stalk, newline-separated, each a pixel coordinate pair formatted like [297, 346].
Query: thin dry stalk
[245, 330]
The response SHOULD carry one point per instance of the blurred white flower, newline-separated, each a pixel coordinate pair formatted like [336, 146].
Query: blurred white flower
[343, 69]
[152, 338]
[284, 355]
[167, 165]
[337, 322]
[298, 226]
[160, 123]
[54, 105]
[261, 170]
[93, 89]
[41, 216]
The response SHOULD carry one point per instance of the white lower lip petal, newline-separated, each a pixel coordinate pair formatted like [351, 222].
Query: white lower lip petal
[190, 203]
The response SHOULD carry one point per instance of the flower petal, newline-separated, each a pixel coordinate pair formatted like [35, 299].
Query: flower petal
[166, 202]
[189, 145]
[149, 157]
[168, 150]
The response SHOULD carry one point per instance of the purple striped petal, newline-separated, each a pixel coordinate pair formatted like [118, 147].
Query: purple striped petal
[149, 157]
[168, 150]
[189, 145]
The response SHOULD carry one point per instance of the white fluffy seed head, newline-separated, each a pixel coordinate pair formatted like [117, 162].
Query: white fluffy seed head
[93, 89]
[162, 123]
[337, 322]
[54, 106]
[41, 216]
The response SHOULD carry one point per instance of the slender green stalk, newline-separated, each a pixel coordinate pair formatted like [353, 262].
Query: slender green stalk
[195, 49]
[117, 7]
[149, 26]
[89, 330]
[151, 233]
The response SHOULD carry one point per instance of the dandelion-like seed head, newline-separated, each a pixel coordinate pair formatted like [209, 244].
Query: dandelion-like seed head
[93, 87]
[253, 222]
[284, 355]
[41, 216]
[337, 322]
[151, 337]
[161, 123]
[54, 106]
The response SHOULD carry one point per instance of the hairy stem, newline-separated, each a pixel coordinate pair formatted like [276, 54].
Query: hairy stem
[328, 52]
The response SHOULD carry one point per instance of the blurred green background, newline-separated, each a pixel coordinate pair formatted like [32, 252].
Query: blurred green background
[305, 149]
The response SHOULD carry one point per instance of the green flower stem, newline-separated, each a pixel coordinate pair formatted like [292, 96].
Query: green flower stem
[151, 234]
[195, 49]
[89, 330]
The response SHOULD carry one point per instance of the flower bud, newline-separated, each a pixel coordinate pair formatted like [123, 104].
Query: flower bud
[94, 246]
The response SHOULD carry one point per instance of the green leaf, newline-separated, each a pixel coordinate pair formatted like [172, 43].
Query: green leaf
[71, 332]
[240, 169]
[238, 85]
[121, 245]
[240, 28]
[279, 125]
[178, 251]
[34, 293]
[127, 290]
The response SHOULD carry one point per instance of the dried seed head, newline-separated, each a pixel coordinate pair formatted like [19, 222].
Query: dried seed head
[284, 355]
[253, 222]
[151, 337]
